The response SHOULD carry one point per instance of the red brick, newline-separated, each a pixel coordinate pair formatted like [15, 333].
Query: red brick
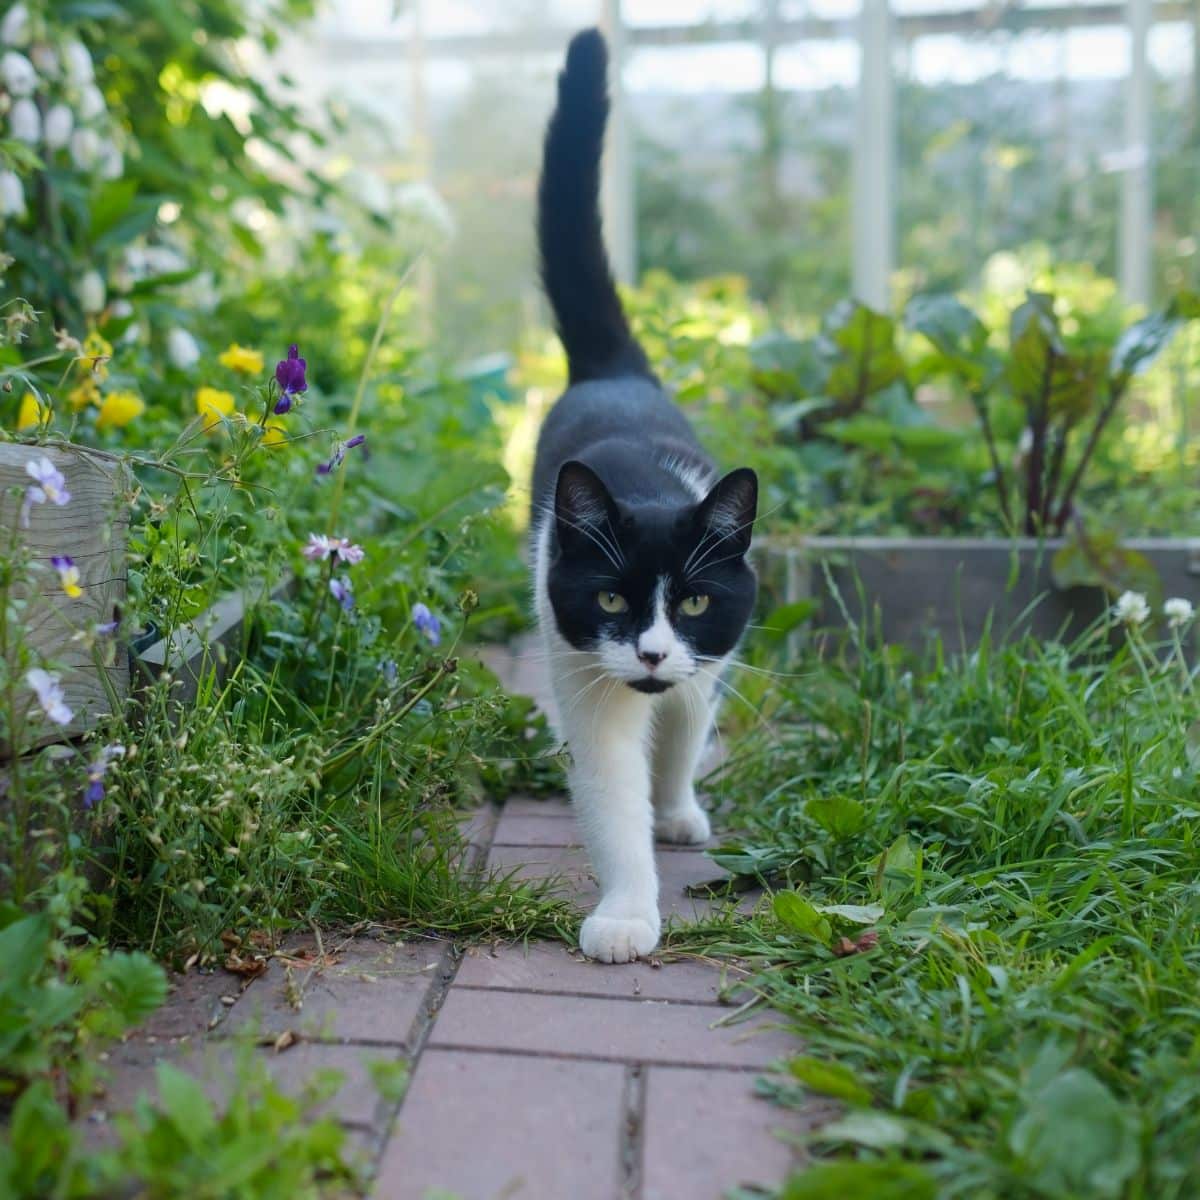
[480, 1126]
[677, 870]
[374, 992]
[706, 1132]
[588, 1027]
[554, 968]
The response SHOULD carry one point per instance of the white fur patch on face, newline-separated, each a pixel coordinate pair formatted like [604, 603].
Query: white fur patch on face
[659, 638]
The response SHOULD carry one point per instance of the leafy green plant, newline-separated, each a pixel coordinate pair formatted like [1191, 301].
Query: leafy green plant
[984, 911]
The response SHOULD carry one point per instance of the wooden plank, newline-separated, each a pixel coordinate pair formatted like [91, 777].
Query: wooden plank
[92, 529]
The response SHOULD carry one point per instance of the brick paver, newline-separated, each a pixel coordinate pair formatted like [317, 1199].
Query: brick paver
[536, 1075]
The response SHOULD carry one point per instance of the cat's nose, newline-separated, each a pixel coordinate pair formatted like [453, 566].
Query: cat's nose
[651, 658]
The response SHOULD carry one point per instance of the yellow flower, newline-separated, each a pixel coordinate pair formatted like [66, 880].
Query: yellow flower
[30, 416]
[68, 576]
[238, 358]
[96, 353]
[86, 392]
[273, 436]
[213, 404]
[119, 408]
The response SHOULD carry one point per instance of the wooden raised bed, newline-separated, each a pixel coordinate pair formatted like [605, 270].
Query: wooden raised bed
[950, 586]
[92, 529]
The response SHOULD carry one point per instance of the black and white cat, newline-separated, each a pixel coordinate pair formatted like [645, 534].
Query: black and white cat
[641, 583]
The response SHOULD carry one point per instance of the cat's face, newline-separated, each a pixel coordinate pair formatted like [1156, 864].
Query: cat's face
[655, 591]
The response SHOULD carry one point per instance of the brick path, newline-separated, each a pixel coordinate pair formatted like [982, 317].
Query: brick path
[535, 1075]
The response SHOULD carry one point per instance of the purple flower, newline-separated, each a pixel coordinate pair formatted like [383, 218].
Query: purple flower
[390, 672]
[342, 592]
[427, 623]
[321, 547]
[48, 485]
[107, 628]
[289, 374]
[339, 454]
[97, 769]
[50, 695]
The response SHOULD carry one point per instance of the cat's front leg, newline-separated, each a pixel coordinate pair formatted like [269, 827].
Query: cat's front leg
[608, 736]
[681, 726]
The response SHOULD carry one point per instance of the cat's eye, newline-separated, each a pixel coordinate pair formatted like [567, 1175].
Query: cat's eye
[611, 602]
[693, 606]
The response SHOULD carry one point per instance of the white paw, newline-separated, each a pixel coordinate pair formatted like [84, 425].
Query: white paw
[617, 939]
[686, 827]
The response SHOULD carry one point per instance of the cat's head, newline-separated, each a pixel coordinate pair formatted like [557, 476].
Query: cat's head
[654, 590]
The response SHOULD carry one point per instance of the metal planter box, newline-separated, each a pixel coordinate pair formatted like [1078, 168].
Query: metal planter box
[948, 587]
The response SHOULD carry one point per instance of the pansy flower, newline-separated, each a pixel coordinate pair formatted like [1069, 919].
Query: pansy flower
[321, 547]
[48, 486]
[97, 769]
[342, 591]
[339, 454]
[292, 380]
[427, 623]
[68, 575]
[50, 695]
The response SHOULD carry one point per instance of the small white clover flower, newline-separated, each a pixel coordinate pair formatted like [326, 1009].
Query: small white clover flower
[25, 122]
[18, 73]
[50, 695]
[1179, 612]
[182, 349]
[57, 127]
[1132, 608]
[14, 29]
[45, 58]
[79, 63]
[112, 161]
[12, 194]
[90, 290]
[91, 102]
[85, 148]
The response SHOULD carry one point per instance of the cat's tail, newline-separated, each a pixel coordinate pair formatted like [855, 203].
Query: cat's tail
[575, 270]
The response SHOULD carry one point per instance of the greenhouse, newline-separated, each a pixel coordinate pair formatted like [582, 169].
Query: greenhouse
[599, 599]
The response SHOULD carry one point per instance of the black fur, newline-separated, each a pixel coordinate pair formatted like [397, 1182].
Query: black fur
[575, 268]
[614, 452]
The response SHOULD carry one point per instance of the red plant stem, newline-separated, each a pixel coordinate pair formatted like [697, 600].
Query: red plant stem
[1116, 392]
[979, 400]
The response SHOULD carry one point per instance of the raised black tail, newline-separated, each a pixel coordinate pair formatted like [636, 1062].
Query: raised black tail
[575, 270]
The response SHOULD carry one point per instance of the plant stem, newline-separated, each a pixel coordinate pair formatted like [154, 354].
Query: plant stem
[1116, 392]
[978, 399]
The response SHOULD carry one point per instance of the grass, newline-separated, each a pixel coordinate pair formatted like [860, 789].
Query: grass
[1019, 827]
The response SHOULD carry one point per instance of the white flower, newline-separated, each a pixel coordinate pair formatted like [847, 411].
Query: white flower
[19, 74]
[25, 122]
[91, 102]
[50, 695]
[90, 291]
[14, 29]
[182, 349]
[12, 195]
[57, 128]
[1132, 608]
[1178, 612]
[85, 148]
[79, 63]
[112, 161]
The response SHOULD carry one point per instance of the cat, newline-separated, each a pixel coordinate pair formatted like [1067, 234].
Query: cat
[641, 585]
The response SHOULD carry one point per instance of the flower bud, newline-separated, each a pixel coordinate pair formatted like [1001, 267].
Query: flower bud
[14, 29]
[90, 291]
[58, 125]
[85, 148]
[18, 73]
[79, 63]
[182, 349]
[25, 122]
[12, 195]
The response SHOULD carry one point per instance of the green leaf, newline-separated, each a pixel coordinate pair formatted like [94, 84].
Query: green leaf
[871, 433]
[862, 344]
[786, 617]
[1034, 345]
[797, 913]
[847, 1180]
[874, 1129]
[183, 1101]
[23, 949]
[1096, 558]
[840, 816]
[829, 1079]
[858, 914]
[134, 985]
[110, 204]
[899, 865]
[1076, 1138]
[784, 416]
[1141, 344]
[949, 324]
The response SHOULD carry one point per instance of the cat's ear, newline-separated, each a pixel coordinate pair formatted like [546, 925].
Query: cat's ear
[728, 511]
[581, 503]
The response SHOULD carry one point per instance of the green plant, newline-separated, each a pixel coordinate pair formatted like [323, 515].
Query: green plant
[983, 926]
